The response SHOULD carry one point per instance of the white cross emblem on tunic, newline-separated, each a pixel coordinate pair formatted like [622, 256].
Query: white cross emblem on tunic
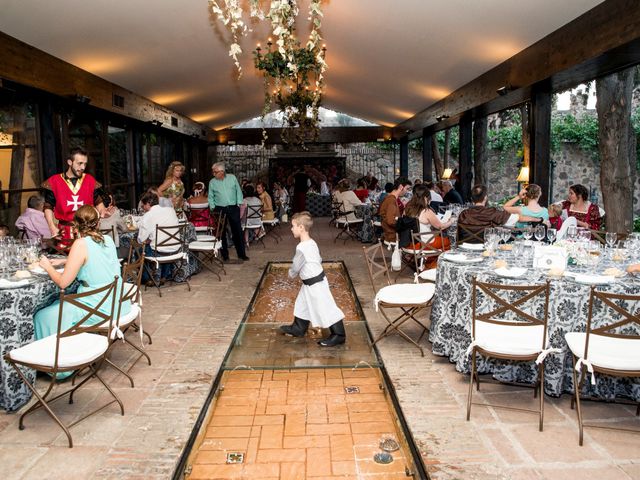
[76, 203]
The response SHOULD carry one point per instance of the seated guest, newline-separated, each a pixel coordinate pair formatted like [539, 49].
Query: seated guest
[451, 195]
[112, 217]
[388, 188]
[4, 230]
[389, 210]
[479, 216]
[282, 199]
[529, 197]
[163, 201]
[250, 200]
[433, 192]
[32, 221]
[348, 198]
[265, 198]
[361, 191]
[373, 187]
[93, 261]
[587, 214]
[418, 217]
[155, 215]
[555, 216]
[199, 206]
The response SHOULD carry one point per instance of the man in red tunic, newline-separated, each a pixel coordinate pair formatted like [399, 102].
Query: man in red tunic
[65, 192]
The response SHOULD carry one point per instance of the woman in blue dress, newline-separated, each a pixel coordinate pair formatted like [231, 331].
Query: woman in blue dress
[530, 208]
[92, 260]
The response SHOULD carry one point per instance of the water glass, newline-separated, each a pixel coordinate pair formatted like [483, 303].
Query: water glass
[584, 235]
[505, 235]
[572, 233]
[551, 234]
[527, 233]
[539, 232]
[611, 239]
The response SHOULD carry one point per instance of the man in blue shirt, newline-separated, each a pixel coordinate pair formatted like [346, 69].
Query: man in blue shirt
[225, 196]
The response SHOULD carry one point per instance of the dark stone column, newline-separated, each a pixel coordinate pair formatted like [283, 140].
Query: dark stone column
[465, 171]
[427, 155]
[404, 157]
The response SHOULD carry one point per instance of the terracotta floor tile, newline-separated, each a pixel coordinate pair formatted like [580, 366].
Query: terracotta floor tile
[215, 471]
[268, 420]
[210, 456]
[368, 407]
[306, 441]
[228, 432]
[256, 431]
[359, 417]
[286, 409]
[261, 470]
[292, 471]
[295, 424]
[271, 436]
[341, 448]
[328, 429]
[275, 455]
[252, 450]
[229, 421]
[236, 410]
[343, 468]
[372, 427]
[214, 443]
[318, 461]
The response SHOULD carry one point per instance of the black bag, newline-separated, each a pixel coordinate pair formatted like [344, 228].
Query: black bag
[405, 226]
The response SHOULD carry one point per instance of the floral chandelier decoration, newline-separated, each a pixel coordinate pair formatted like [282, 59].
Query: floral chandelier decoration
[293, 73]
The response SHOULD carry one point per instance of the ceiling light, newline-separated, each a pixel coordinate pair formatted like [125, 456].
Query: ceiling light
[442, 117]
[502, 91]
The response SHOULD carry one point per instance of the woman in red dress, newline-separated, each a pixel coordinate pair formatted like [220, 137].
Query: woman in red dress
[587, 214]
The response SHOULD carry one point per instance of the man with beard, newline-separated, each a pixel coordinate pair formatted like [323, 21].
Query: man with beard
[65, 192]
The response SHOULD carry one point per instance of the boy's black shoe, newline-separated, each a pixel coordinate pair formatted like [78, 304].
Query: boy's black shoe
[297, 329]
[338, 336]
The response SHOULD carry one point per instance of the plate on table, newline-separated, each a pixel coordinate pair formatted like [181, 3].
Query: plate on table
[514, 272]
[13, 282]
[591, 279]
[473, 247]
[461, 258]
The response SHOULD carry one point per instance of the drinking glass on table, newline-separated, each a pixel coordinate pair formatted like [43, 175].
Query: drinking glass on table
[611, 238]
[584, 235]
[505, 235]
[552, 233]
[539, 232]
[572, 233]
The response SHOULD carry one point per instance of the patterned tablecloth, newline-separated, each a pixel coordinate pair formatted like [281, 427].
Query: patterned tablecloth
[319, 205]
[450, 332]
[17, 307]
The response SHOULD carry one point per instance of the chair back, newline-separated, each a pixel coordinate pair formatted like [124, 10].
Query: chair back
[22, 234]
[171, 238]
[253, 217]
[569, 222]
[131, 281]
[111, 231]
[217, 224]
[618, 316]
[136, 250]
[470, 233]
[427, 250]
[508, 308]
[601, 236]
[100, 296]
[376, 263]
[198, 213]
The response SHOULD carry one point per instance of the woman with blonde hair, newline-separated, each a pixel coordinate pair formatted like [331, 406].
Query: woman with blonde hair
[530, 208]
[93, 261]
[267, 203]
[172, 187]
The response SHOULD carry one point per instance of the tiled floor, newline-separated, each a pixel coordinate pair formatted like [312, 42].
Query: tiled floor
[192, 332]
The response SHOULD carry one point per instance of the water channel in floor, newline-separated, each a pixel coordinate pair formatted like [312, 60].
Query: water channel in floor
[286, 408]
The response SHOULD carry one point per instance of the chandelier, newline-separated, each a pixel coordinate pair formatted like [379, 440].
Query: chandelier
[293, 73]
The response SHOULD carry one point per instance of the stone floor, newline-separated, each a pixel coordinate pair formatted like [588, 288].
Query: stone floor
[191, 334]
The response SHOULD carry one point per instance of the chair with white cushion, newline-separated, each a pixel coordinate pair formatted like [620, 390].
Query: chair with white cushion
[409, 298]
[170, 247]
[198, 213]
[207, 251]
[430, 246]
[74, 349]
[507, 329]
[610, 346]
[348, 226]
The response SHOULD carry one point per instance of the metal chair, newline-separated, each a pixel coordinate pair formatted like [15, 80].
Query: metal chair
[345, 225]
[206, 252]
[409, 298]
[253, 222]
[521, 337]
[470, 234]
[610, 346]
[74, 349]
[170, 239]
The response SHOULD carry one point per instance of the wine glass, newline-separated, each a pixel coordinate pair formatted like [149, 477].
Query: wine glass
[527, 233]
[611, 238]
[551, 234]
[505, 235]
[572, 232]
[539, 232]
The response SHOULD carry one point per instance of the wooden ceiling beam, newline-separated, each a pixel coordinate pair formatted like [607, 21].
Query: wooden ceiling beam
[601, 41]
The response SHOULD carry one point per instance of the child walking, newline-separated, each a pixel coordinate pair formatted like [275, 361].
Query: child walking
[314, 303]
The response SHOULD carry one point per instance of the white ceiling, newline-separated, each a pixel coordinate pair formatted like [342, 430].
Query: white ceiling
[387, 59]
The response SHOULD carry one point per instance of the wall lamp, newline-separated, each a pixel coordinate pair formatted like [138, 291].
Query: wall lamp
[446, 175]
[502, 91]
[442, 117]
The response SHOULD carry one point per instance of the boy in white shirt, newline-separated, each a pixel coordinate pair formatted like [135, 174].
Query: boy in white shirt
[314, 303]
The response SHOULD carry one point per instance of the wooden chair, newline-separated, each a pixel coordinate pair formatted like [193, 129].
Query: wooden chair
[409, 298]
[111, 231]
[207, 251]
[253, 222]
[172, 239]
[519, 338]
[74, 349]
[610, 346]
[470, 234]
[345, 225]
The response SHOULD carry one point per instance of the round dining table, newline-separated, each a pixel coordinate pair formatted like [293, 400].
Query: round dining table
[19, 301]
[451, 321]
